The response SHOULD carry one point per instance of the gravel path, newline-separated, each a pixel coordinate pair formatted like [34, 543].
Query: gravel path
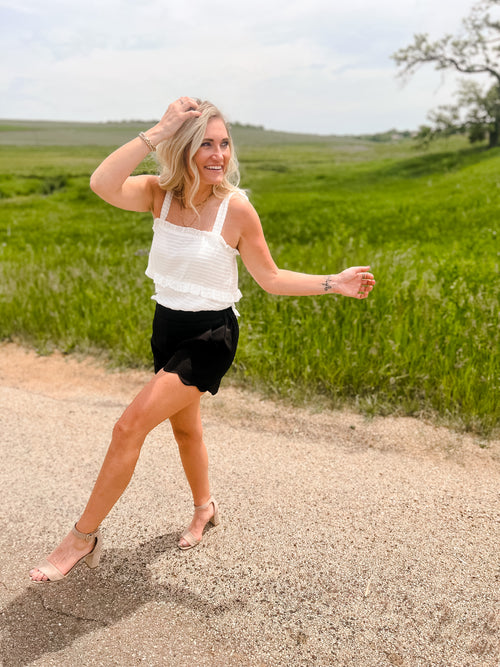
[343, 541]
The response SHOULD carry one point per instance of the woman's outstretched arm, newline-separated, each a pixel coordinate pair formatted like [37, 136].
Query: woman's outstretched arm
[356, 281]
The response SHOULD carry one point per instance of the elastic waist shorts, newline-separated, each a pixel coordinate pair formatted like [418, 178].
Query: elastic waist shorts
[198, 346]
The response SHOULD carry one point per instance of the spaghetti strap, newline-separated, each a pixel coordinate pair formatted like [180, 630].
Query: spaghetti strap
[166, 205]
[221, 215]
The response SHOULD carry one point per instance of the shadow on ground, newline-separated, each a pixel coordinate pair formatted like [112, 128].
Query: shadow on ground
[47, 618]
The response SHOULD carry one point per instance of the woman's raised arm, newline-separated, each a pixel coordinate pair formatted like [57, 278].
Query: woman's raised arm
[112, 180]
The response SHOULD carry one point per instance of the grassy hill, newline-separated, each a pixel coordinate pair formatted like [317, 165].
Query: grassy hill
[426, 342]
[58, 133]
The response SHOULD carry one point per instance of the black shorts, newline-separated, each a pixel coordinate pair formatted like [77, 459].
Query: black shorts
[198, 346]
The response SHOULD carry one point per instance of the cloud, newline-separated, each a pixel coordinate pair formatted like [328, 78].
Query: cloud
[288, 65]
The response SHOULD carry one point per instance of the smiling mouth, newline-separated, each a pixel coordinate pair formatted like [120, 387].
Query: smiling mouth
[214, 168]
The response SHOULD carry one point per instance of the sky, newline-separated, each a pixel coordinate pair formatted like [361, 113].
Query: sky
[320, 66]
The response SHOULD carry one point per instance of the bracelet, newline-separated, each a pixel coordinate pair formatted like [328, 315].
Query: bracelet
[147, 141]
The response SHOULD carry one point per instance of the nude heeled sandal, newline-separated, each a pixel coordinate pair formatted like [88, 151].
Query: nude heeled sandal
[91, 559]
[188, 536]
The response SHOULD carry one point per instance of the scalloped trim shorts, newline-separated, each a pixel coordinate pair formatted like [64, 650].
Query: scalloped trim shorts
[198, 346]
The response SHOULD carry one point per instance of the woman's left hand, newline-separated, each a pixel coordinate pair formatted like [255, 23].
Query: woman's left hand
[357, 282]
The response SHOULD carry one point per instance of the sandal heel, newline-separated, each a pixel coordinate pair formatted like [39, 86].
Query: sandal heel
[215, 519]
[92, 560]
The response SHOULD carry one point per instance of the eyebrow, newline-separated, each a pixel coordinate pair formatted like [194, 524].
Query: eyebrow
[209, 139]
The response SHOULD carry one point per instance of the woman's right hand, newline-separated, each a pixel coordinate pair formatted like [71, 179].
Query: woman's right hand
[174, 117]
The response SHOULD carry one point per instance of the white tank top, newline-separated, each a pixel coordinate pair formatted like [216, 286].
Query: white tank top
[193, 269]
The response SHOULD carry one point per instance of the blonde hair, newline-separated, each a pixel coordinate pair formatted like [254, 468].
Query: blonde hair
[178, 171]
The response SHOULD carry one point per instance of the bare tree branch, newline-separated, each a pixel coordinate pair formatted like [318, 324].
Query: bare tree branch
[476, 50]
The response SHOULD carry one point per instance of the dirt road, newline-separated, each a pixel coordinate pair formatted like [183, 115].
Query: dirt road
[344, 541]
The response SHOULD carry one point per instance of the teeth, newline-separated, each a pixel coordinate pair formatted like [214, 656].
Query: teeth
[215, 168]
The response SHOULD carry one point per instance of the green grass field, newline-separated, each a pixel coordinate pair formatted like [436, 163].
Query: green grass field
[425, 343]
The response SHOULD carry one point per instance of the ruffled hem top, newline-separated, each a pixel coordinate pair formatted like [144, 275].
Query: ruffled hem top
[193, 269]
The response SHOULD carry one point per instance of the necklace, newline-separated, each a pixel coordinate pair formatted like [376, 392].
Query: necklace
[190, 217]
[199, 207]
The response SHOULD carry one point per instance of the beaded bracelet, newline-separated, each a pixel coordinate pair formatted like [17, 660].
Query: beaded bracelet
[147, 141]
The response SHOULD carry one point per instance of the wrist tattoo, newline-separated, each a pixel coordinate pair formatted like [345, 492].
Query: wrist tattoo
[327, 284]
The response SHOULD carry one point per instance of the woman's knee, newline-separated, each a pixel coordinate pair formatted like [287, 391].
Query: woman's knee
[128, 433]
[188, 436]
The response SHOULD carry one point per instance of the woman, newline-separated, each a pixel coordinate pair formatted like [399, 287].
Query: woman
[195, 331]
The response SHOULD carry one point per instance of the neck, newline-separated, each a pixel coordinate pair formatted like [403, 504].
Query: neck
[202, 195]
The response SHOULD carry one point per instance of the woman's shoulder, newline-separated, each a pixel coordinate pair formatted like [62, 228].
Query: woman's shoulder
[239, 204]
[242, 214]
[154, 183]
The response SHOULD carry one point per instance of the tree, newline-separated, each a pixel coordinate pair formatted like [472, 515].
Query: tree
[475, 50]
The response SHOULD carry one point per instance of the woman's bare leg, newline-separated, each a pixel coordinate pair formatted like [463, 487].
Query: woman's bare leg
[164, 396]
[188, 431]
[160, 399]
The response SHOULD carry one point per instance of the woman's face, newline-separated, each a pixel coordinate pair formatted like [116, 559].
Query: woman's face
[213, 155]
